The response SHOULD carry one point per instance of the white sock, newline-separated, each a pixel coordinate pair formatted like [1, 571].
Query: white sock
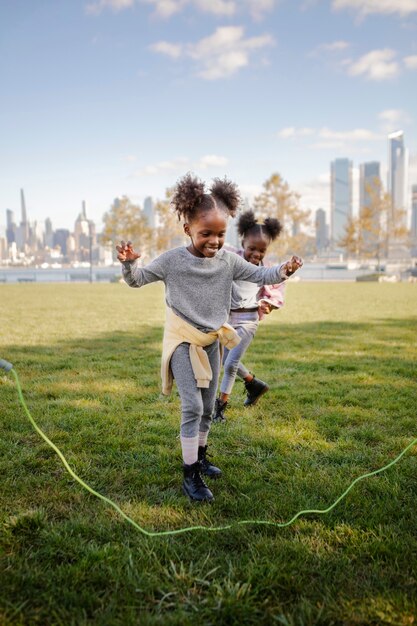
[202, 437]
[189, 446]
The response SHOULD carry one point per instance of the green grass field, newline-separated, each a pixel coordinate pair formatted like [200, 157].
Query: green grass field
[341, 363]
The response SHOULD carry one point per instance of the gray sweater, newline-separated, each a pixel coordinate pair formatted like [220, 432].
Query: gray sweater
[198, 289]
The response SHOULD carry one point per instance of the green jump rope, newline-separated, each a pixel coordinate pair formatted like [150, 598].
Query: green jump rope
[8, 367]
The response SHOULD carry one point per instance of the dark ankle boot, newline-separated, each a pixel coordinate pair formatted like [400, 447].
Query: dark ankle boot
[206, 467]
[219, 409]
[255, 388]
[193, 485]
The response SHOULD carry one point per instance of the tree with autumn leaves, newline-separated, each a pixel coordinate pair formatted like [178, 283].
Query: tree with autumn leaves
[378, 226]
[125, 220]
[279, 201]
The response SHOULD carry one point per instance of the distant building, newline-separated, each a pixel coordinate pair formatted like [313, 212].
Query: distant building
[413, 230]
[10, 227]
[232, 236]
[49, 233]
[61, 236]
[340, 198]
[397, 187]
[3, 247]
[321, 230]
[82, 230]
[149, 212]
[397, 170]
[369, 178]
[84, 235]
[369, 191]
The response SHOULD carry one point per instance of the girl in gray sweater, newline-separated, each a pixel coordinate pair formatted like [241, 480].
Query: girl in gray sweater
[198, 282]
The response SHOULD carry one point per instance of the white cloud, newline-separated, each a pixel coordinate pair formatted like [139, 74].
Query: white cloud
[258, 8]
[164, 166]
[181, 164]
[170, 49]
[384, 7]
[392, 119]
[357, 134]
[326, 138]
[219, 55]
[411, 62]
[291, 132]
[326, 48]
[167, 8]
[115, 5]
[212, 160]
[376, 65]
[217, 7]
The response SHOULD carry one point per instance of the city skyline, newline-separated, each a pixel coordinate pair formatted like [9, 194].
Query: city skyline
[121, 97]
[397, 180]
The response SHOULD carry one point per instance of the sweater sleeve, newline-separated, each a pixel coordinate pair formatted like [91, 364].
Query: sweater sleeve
[274, 294]
[136, 276]
[242, 270]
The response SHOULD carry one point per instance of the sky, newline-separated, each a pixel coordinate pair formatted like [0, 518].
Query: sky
[104, 98]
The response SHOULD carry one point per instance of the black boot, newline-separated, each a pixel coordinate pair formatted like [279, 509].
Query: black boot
[219, 409]
[255, 388]
[206, 467]
[193, 485]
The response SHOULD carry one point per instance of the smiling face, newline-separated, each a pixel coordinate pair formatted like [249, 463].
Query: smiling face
[207, 232]
[254, 247]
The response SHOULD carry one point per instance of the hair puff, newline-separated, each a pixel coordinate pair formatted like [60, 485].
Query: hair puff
[272, 227]
[246, 222]
[188, 196]
[227, 193]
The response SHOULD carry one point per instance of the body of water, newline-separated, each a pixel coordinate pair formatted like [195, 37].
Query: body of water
[310, 271]
[59, 275]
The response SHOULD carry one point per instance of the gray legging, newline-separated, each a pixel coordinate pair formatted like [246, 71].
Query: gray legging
[197, 403]
[245, 325]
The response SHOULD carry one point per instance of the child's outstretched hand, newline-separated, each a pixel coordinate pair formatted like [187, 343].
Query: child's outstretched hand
[293, 265]
[126, 252]
[266, 307]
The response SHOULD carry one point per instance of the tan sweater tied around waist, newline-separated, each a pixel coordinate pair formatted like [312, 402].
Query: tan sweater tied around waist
[179, 331]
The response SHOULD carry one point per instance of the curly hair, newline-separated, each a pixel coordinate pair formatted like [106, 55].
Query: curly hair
[189, 198]
[247, 224]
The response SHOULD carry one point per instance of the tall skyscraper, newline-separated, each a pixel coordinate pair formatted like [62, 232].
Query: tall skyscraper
[321, 230]
[10, 227]
[369, 178]
[24, 224]
[148, 211]
[397, 170]
[397, 187]
[82, 230]
[61, 236]
[413, 232]
[49, 233]
[369, 192]
[340, 197]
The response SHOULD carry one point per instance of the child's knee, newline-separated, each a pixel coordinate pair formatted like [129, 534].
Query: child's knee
[231, 369]
[190, 416]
